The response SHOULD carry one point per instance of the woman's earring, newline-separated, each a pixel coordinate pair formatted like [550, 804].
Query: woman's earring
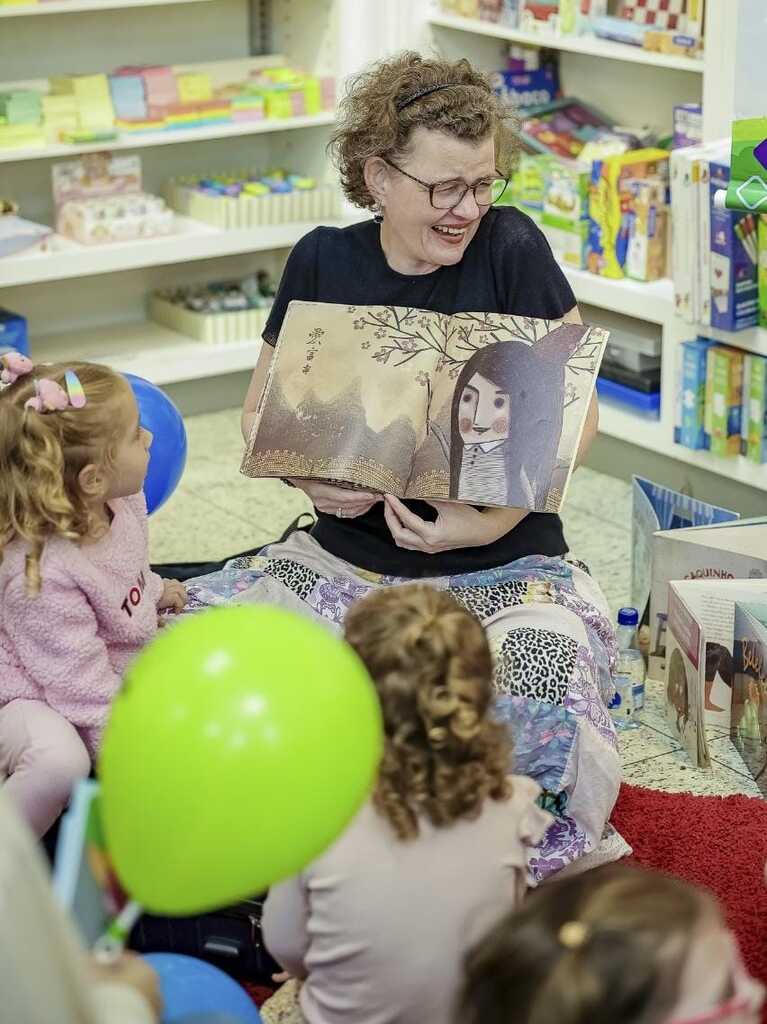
[378, 213]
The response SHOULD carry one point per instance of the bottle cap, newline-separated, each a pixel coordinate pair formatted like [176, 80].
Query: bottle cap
[628, 617]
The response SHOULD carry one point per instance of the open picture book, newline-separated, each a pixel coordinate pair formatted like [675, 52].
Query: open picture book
[483, 408]
[748, 718]
[703, 690]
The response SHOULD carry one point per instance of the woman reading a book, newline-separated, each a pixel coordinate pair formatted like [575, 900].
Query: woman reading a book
[427, 147]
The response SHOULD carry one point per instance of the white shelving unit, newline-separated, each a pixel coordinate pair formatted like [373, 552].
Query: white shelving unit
[90, 301]
[149, 350]
[192, 240]
[634, 87]
[78, 295]
[590, 45]
[80, 6]
[172, 137]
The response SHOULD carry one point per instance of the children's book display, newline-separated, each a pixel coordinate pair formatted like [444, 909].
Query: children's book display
[700, 652]
[99, 198]
[218, 313]
[667, 26]
[748, 721]
[723, 551]
[481, 408]
[657, 507]
[715, 251]
[598, 192]
[722, 400]
[136, 99]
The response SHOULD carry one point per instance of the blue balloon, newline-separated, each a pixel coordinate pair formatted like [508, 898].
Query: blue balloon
[167, 457]
[191, 988]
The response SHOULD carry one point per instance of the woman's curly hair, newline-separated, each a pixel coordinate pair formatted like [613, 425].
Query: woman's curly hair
[373, 122]
[431, 664]
[41, 455]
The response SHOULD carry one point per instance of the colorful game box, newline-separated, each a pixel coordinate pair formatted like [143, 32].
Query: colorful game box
[724, 399]
[612, 208]
[754, 416]
[734, 258]
[692, 433]
[655, 13]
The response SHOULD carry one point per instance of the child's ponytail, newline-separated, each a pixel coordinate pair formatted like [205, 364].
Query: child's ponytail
[431, 664]
[605, 946]
[43, 452]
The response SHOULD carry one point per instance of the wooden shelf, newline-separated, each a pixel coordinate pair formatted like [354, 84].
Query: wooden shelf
[590, 45]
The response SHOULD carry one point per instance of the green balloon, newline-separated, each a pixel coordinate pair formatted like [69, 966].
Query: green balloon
[242, 743]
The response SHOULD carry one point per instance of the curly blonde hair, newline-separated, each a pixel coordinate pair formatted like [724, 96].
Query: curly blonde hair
[374, 122]
[41, 455]
[431, 664]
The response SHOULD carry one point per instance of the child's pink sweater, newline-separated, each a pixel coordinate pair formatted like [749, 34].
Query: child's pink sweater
[96, 609]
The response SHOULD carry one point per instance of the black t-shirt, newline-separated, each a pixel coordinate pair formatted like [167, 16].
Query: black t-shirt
[508, 267]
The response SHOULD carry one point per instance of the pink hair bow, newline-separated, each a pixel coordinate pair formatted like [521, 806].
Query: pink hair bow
[14, 365]
[51, 397]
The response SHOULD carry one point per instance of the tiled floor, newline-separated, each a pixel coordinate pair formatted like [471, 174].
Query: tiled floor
[216, 512]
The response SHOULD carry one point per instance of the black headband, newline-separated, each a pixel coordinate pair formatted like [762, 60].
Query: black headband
[401, 104]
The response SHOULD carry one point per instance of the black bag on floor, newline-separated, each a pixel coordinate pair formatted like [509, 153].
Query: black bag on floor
[184, 571]
[230, 939]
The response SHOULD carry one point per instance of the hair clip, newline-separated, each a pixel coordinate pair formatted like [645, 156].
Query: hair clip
[51, 397]
[14, 365]
[573, 934]
[74, 389]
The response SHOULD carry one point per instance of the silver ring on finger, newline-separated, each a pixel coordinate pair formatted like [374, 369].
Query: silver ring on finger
[340, 513]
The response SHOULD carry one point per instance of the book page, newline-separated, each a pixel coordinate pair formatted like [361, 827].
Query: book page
[345, 400]
[748, 727]
[481, 408]
[683, 700]
[713, 606]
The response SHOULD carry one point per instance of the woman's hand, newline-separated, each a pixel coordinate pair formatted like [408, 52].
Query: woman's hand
[337, 501]
[456, 526]
[173, 596]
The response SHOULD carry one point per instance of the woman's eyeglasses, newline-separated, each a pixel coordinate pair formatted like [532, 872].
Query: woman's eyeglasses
[446, 195]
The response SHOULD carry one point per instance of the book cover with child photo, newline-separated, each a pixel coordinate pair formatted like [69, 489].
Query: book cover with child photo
[748, 725]
[483, 408]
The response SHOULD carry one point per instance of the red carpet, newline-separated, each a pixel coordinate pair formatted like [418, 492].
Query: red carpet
[716, 842]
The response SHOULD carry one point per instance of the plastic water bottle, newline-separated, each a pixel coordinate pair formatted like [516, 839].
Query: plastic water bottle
[630, 661]
[621, 707]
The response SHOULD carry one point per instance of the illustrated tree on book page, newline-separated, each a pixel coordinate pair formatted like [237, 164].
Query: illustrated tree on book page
[482, 408]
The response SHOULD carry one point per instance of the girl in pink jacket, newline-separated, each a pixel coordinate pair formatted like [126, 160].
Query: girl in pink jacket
[77, 597]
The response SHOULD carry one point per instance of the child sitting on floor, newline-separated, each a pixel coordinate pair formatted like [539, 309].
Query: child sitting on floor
[616, 945]
[379, 924]
[77, 597]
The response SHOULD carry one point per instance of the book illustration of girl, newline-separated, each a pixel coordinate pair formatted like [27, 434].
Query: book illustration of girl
[678, 690]
[506, 420]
